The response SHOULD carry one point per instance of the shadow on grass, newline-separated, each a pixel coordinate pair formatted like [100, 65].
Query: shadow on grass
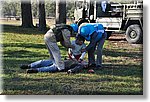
[39, 85]
[21, 30]
[36, 84]
[123, 70]
[107, 52]
[25, 45]
[22, 54]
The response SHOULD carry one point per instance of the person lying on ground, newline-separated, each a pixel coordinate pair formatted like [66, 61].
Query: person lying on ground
[49, 66]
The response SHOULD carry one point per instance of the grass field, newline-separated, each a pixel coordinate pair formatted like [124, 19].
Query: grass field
[122, 73]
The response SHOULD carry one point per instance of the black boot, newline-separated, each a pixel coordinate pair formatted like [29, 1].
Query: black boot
[91, 66]
[98, 67]
[25, 66]
[76, 69]
[32, 71]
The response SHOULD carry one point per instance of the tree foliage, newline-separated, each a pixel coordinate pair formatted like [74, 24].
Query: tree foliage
[13, 8]
[34, 6]
[50, 8]
[70, 8]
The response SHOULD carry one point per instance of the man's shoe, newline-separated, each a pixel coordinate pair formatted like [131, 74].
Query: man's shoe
[32, 71]
[98, 67]
[25, 66]
[92, 66]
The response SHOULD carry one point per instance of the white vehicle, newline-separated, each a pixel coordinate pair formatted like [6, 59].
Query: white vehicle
[115, 17]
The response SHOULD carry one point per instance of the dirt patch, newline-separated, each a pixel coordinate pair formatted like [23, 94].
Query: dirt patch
[120, 40]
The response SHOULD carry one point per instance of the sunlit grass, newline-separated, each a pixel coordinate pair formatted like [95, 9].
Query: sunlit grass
[122, 73]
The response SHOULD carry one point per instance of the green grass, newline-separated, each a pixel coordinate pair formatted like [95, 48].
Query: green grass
[122, 73]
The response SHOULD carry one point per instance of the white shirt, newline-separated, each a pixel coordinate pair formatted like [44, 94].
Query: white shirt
[78, 48]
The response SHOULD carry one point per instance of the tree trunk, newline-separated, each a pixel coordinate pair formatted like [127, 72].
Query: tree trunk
[60, 11]
[42, 21]
[26, 14]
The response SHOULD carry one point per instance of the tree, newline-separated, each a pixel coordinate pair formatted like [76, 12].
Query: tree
[60, 11]
[42, 21]
[26, 13]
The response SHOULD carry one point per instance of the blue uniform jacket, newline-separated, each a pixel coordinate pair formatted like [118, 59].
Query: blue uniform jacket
[95, 35]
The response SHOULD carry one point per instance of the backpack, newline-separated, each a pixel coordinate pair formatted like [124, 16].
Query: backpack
[58, 31]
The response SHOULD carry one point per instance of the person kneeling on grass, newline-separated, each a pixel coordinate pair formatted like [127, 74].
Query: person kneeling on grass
[74, 64]
[59, 33]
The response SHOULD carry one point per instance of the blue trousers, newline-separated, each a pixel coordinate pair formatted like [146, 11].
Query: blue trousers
[98, 48]
[44, 66]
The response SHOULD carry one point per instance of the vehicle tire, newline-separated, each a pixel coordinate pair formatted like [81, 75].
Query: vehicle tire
[134, 34]
[108, 35]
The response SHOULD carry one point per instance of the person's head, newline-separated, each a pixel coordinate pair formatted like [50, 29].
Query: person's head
[80, 39]
[86, 30]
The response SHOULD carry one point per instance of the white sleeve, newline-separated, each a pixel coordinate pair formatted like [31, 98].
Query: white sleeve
[70, 52]
[72, 56]
[82, 56]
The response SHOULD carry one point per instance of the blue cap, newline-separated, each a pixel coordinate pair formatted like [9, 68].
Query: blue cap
[74, 27]
[87, 30]
[84, 31]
